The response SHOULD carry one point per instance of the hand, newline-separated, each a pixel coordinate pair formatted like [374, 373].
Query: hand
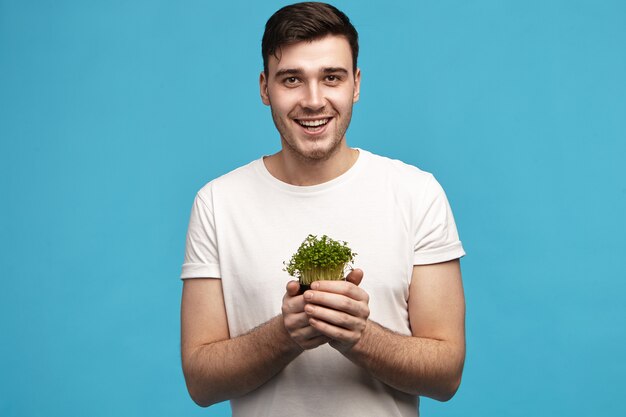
[338, 310]
[296, 321]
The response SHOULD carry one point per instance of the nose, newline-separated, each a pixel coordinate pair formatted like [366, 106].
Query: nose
[313, 98]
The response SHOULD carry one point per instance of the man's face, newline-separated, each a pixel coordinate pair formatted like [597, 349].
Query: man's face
[311, 90]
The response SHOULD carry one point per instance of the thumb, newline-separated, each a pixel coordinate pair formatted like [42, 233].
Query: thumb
[355, 276]
[293, 287]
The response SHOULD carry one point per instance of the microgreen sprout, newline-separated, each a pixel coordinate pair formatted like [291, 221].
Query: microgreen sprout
[320, 259]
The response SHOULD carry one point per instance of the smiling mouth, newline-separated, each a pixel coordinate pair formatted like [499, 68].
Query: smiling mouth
[313, 125]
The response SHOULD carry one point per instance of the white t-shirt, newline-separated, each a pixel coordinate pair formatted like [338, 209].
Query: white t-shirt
[246, 223]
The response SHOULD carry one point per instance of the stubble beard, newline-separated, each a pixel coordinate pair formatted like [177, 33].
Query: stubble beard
[317, 154]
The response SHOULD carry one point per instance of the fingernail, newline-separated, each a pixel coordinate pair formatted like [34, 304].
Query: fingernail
[315, 285]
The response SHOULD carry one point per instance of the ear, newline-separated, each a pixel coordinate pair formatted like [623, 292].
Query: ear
[265, 98]
[357, 85]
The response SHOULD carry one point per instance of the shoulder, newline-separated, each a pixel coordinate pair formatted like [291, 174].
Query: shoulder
[232, 181]
[399, 174]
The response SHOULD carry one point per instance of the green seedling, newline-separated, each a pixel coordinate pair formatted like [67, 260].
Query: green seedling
[319, 259]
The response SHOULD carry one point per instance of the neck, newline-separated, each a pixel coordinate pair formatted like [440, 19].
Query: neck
[300, 171]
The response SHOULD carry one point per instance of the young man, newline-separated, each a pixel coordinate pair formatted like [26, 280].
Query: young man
[367, 346]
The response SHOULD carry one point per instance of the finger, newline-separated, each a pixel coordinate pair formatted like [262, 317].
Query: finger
[308, 337]
[336, 318]
[355, 276]
[293, 305]
[308, 333]
[293, 287]
[344, 288]
[338, 302]
[295, 322]
[314, 342]
[334, 332]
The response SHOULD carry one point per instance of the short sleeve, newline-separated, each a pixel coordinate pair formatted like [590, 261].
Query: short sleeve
[201, 255]
[436, 238]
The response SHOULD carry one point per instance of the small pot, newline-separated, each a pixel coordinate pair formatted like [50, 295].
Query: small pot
[303, 288]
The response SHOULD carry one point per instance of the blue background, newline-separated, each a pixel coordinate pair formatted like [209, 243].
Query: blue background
[114, 113]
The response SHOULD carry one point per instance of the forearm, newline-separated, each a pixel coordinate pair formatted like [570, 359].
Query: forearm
[230, 368]
[413, 365]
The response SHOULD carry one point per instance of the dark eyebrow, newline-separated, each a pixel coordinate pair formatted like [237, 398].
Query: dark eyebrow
[287, 71]
[297, 71]
[335, 70]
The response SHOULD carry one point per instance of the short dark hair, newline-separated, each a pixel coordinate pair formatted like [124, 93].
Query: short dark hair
[306, 21]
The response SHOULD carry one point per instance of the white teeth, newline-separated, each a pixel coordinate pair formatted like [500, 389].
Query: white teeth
[313, 123]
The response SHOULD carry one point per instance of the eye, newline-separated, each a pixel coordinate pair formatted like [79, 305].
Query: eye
[290, 81]
[332, 79]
